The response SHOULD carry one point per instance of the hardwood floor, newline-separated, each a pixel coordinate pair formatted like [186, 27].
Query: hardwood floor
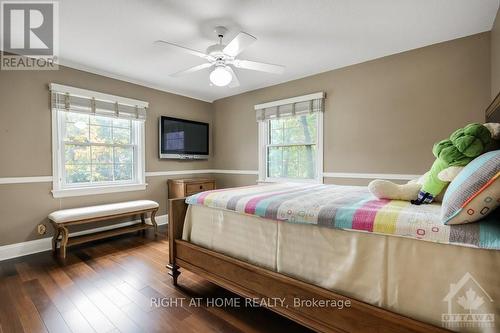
[108, 286]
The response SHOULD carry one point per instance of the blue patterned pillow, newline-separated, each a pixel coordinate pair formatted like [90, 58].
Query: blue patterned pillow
[475, 192]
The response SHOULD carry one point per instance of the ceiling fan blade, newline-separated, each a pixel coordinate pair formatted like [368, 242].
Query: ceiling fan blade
[185, 49]
[238, 44]
[235, 82]
[192, 69]
[259, 66]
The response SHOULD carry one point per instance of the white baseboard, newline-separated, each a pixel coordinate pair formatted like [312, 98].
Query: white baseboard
[39, 245]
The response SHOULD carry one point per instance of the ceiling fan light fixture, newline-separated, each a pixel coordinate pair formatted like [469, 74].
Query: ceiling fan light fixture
[223, 59]
[220, 76]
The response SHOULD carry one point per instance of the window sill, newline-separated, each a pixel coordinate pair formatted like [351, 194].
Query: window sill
[81, 191]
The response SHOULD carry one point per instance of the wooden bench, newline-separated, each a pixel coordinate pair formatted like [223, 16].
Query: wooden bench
[62, 219]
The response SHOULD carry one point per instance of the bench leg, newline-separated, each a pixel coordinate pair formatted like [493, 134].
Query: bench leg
[143, 221]
[153, 221]
[55, 239]
[64, 241]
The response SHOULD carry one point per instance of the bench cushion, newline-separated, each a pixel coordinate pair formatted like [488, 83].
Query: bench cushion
[77, 214]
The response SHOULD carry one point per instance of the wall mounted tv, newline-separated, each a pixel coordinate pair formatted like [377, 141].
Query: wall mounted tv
[183, 139]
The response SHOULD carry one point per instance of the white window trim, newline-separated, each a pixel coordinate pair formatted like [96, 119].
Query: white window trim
[262, 146]
[59, 191]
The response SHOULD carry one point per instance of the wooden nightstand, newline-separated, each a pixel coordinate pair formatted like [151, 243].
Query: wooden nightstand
[180, 188]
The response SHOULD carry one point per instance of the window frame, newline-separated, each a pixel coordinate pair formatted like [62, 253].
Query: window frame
[59, 187]
[263, 138]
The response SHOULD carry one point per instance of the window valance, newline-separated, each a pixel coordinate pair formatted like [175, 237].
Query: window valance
[72, 99]
[290, 106]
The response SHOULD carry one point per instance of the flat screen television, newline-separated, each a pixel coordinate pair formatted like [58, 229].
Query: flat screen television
[183, 139]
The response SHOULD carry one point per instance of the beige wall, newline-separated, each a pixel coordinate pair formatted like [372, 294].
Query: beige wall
[25, 144]
[495, 57]
[381, 116]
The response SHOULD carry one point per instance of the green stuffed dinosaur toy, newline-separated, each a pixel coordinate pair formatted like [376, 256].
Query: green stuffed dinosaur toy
[452, 155]
[462, 147]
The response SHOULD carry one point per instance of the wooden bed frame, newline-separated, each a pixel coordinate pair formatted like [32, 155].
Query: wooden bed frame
[251, 281]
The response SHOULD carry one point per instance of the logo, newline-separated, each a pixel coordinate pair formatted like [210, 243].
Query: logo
[468, 305]
[30, 35]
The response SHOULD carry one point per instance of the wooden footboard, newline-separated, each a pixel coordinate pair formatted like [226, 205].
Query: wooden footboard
[317, 308]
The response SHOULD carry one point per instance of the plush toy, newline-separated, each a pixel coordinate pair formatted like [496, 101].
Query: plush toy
[385, 189]
[452, 155]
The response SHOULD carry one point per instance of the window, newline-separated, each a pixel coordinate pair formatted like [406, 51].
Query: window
[291, 142]
[95, 152]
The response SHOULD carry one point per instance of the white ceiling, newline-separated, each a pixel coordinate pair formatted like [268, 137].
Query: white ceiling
[115, 37]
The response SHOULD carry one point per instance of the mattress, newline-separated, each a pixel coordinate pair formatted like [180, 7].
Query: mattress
[350, 208]
[426, 281]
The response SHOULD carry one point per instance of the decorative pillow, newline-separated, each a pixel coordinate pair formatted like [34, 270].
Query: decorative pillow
[475, 192]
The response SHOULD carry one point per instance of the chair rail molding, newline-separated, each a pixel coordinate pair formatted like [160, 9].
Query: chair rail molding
[351, 175]
[354, 175]
[21, 180]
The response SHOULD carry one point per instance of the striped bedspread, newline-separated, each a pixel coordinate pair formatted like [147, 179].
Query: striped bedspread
[350, 208]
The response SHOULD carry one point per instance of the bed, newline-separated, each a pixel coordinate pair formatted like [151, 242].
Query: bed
[394, 262]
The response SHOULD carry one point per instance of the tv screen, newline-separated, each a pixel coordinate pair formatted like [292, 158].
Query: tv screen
[183, 139]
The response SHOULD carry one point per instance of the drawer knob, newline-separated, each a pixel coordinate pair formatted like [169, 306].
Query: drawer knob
[201, 187]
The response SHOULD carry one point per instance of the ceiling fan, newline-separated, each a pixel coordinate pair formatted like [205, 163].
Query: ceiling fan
[223, 58]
